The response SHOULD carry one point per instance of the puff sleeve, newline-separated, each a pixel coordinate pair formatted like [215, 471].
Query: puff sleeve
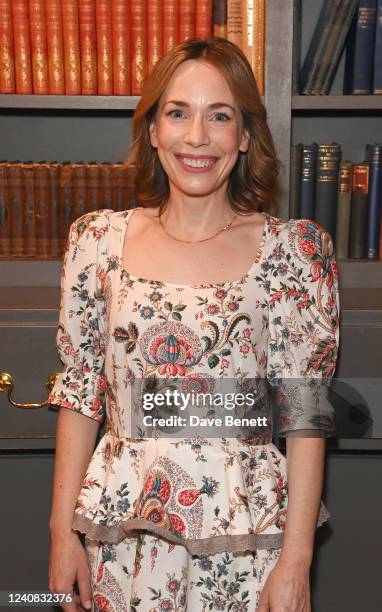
[303, 336]
[81, 329]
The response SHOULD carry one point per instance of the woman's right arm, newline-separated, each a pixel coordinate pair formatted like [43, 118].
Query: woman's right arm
[75, 441]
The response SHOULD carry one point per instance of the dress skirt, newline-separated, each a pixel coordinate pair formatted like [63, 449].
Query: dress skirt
[146, 573]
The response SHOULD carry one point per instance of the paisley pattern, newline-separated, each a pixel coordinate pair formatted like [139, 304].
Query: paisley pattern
[214, 503]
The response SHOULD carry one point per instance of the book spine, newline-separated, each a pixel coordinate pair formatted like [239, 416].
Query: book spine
[375, 197]
[308, 180]
[104, 48]
[234, 22]
[186, 20]
[39, 48]
[55, 45]
[248, 29]
[22, 46]
[359, 211]
[295, 181]
[154, 32]
[7, 56]
[377, 80]
[88, 47]
[334, 45]
[92, 187]
[170, 24]
[42, 209]
[55, 248]
[15, 201]
[203, 19]
[297, 33]
[28, 206]
[318, 44]
[343, 208]
[138, 37]
[5, 229]
[328, 162]
[65, 216]
[359, 61]
[258, 51]
[219, 18]
[78, 189]
[329, 73]
[106, 186]
[119, 187]
[71, 36]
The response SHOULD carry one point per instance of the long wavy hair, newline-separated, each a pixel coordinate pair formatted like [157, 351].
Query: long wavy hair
[252, 184]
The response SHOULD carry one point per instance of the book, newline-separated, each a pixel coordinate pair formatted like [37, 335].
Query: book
[71, 37]
[203, 19]
[55, 47]
[104, 48]
[377, 76]
[308, 180]
[258, 47]
[234, 22]
[373, 155]
[7, 56]
[170, 24]
[219, 18]
[359, 59]
[5, 228]
[138, 42]
[22, 46]
[296, 54]
[295, 181]
[187, 19]
[328, 161]
[39, 47]
[88, 47]
[344, 208]
[154, 32]
[359, 211]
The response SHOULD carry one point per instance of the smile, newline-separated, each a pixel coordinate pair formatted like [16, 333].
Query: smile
[196, 163]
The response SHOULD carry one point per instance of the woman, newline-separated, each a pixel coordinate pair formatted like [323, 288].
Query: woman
[194, 523]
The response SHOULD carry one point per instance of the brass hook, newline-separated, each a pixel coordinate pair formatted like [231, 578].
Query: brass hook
[6, 385]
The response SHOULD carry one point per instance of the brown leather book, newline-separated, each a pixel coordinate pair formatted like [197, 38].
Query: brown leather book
[65, 216]
[203, 19]
[122, 186]
[42, 209]
[359, 211]
[92, 186]
[219, 18]
[71, 35]
[154, 32]
[234, 22]
[187, 14]
[15, 203]
[7, 56]
[5, 233]
[55, 45]
[170, 24]
[39, 47]
[54, 244]
[138, 38]
[104, 48]
[120, 19]
[79, 200]
[106, 186]
[88, 46]
[22, 46]
[28, 206]
[344, 209]
[258, 49]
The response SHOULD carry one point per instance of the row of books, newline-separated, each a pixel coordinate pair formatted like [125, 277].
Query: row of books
[39, 201]
[355, 25]
[345, 197]
[108, 47]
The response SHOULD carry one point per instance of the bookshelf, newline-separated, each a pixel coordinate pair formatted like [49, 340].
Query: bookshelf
[99, 128]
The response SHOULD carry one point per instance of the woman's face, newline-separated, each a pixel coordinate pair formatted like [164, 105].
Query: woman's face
[198, 129]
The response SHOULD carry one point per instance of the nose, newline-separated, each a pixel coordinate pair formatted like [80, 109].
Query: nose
[197, 132]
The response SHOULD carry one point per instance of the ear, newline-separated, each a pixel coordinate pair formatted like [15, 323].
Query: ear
[244, 144]
[153, 134]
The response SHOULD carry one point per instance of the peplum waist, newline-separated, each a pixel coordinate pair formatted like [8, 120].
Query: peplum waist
[208, 494]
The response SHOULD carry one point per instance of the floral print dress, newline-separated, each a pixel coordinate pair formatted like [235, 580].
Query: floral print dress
[192, 523]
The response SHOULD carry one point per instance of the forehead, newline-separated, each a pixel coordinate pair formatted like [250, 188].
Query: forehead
[198, 80]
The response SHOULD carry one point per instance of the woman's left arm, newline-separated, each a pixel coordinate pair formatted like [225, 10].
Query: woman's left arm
[287, 587]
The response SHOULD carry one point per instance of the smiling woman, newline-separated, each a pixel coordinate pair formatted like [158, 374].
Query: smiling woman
[202, 521]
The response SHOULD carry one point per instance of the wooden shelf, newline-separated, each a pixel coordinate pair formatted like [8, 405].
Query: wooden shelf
[307, 103]
[95, 103]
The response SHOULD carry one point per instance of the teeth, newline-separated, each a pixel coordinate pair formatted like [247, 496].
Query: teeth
[197, 163]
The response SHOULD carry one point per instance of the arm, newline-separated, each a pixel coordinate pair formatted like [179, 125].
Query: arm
[75, 440]
[305, 467]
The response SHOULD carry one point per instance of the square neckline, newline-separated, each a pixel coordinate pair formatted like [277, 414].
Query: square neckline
[205, 285]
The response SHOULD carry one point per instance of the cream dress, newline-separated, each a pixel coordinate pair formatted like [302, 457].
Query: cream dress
[192, 523]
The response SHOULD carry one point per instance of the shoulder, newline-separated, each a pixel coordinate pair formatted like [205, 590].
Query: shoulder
[91, 225]
[304, 239]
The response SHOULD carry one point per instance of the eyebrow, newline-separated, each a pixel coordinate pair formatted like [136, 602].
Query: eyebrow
[213, 105]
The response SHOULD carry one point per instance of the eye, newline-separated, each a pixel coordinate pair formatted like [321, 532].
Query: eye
[171, 113]
[225, 117]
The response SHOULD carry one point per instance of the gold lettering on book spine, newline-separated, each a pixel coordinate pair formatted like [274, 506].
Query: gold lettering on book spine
[7, 69]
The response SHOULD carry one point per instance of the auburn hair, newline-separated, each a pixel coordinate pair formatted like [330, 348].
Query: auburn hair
[252, 184]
